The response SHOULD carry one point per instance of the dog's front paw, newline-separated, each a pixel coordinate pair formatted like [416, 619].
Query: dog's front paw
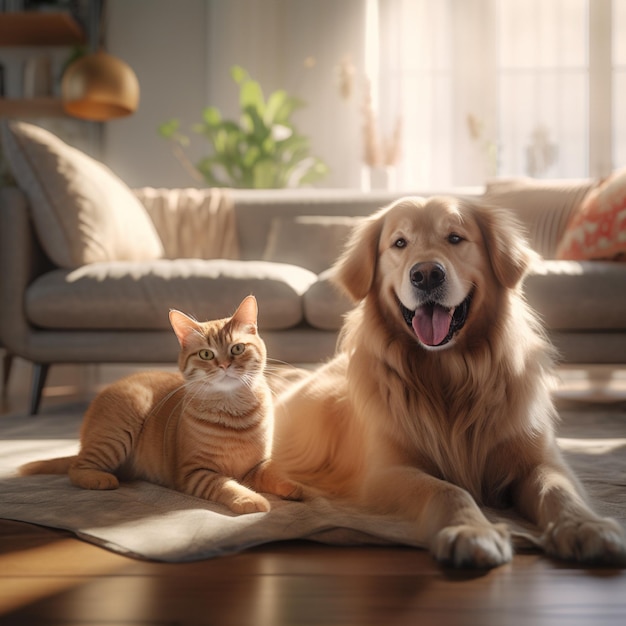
[288, 490]
[594, 540]
[482, 547]
[265, 478]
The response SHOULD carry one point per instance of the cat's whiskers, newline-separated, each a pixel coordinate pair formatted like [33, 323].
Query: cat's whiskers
[280, 374]
[195, 388]
[159, 405]
[278, 365]
[173, 411]
[192, 387]
[249, 377]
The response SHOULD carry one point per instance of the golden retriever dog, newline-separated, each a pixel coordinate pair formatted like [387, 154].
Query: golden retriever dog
[438, 400]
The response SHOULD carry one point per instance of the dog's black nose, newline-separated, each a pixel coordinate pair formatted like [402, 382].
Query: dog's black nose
[428, 275]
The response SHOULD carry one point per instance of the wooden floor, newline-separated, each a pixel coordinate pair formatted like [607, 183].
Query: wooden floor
[49, 577]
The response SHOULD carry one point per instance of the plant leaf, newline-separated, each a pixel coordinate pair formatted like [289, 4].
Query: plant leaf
[287, 107]
[258, 130]
[274, 107]
[264, 174]
[262, 149]
[211, 116]
[251, 97]
[238, 74]
[169, 129]
[252, 154]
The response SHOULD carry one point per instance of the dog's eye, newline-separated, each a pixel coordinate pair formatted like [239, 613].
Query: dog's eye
[399, 243]
[454, 239]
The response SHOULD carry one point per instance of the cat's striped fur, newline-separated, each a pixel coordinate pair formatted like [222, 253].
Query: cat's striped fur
[206, 431]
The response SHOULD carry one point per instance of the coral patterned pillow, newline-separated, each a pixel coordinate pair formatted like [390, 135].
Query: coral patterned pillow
[598, 228]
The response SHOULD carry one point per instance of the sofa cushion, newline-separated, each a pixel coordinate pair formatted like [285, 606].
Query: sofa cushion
[544, 207]
[578, 295]
[311, 241]
[597, 230]
[91, 296]
[567, 295]
[82, 212]
[325, 305]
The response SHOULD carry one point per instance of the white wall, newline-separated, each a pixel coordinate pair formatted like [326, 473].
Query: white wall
[165, 43]
[182, 52]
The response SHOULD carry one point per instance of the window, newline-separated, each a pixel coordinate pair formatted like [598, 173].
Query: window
[542, 72]
[619, 82]
[502, 87]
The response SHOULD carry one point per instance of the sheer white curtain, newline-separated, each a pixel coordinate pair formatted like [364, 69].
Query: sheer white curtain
[542, 87]
[503, 87]
[618, 20]
[415, 84]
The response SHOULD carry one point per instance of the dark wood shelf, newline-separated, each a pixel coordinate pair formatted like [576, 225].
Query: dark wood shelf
[31, 107]
[32, 28]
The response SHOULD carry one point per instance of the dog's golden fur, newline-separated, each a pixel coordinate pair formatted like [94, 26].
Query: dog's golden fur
[408, 423]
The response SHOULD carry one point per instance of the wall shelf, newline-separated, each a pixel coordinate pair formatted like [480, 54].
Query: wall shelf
[32, 28]
[31, 107]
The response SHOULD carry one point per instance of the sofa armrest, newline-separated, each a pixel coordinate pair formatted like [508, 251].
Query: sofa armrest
[192, 223]
[21, 261]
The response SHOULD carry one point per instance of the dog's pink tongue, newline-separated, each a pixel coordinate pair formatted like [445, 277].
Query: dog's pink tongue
[431, 324]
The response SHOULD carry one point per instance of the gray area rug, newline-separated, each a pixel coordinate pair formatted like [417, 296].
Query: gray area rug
[150, 522]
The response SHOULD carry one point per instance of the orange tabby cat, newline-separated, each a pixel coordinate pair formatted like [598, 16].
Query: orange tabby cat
[206, 432]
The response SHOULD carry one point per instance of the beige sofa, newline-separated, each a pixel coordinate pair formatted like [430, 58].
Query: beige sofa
[89, 268]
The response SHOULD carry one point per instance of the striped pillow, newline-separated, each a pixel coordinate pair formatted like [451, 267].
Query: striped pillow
[544, 207]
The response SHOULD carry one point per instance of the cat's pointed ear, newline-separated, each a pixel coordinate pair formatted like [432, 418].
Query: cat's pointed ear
[247, 314]
[183, 325]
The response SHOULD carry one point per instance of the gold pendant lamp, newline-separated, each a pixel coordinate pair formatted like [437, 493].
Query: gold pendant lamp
[99, 86]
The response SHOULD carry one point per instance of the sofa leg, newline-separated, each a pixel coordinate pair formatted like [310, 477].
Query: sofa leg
[7, 363]
[40, 373]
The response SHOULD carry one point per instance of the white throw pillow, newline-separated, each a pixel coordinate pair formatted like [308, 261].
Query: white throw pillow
[82, 212]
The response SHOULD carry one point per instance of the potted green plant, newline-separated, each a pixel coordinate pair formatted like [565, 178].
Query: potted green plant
[262, 149]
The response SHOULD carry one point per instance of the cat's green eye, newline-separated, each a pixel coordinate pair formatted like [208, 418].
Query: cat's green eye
[237, 349]
[206, 355]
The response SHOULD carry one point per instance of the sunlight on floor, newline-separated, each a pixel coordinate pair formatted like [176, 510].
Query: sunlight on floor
[592, 383]
[21, 591]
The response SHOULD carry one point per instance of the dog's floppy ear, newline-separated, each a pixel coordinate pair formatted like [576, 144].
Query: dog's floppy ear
[355, 269]
[506, 245]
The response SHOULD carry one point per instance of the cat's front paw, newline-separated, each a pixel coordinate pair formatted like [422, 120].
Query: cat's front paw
[249, 503]
[594, 540]
[93, 479]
